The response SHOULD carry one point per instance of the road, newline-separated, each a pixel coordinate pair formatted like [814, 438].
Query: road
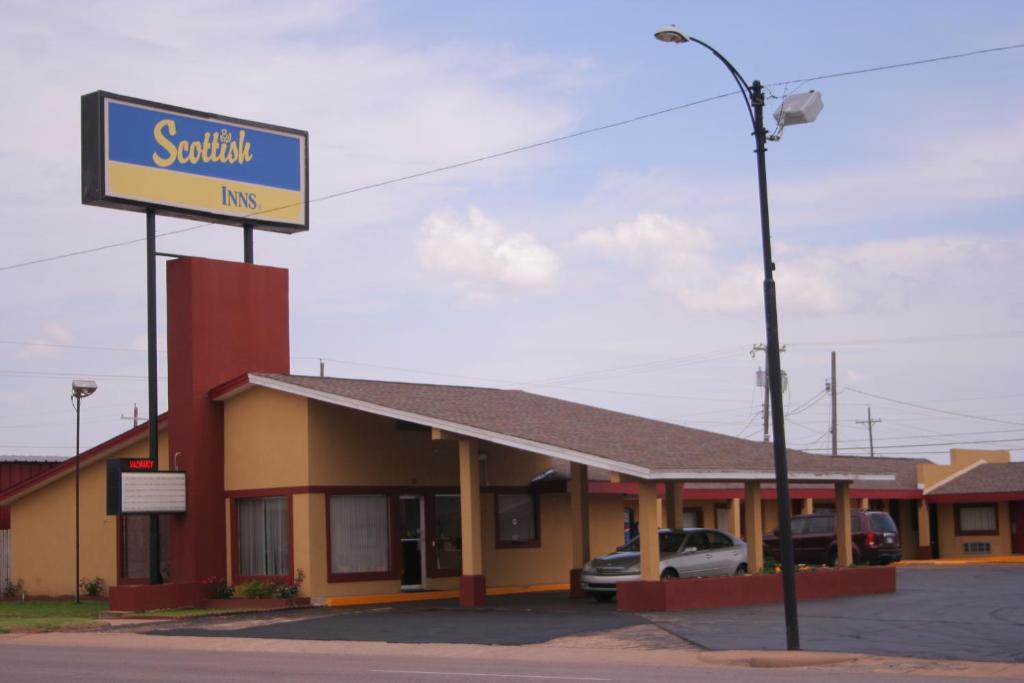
[112, 657]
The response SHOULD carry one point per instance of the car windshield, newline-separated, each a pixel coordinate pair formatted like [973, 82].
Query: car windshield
[668, 543]
[882, 524]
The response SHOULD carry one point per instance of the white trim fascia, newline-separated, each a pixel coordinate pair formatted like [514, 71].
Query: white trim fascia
[456, 428]
[767, 475]
[954, 476]
[547, 449]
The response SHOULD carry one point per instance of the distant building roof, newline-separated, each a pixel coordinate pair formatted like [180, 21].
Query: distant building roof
[33, 458]
[985, 478]
[645, 448]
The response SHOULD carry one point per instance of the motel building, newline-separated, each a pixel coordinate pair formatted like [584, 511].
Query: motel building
[374, 488]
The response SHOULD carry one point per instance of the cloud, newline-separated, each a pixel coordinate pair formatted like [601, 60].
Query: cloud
[686, 263]
[479, 254]
[53, 333]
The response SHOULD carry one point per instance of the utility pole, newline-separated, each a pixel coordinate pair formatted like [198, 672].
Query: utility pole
[321, 367]
[835, 417]
[871, 432]
[134, 417]
[762, 381]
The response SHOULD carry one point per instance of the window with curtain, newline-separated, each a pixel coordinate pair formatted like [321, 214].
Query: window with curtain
[263, 536]
[360, 532]
[516, 518]
[977, 519]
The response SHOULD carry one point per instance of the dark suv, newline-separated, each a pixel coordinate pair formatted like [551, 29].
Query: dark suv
[875, 539]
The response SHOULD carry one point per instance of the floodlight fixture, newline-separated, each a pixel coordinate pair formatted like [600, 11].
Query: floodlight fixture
[80, 388]
[671, 34]
[799, 108]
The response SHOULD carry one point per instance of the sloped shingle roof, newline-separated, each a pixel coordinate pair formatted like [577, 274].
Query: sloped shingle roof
[649, 445]
[987, 478]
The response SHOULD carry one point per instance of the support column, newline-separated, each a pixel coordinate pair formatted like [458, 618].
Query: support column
[755, 526]
[650, 557]
[579, 511]
[865, 504]
[924, 531]
[735, 526]
[472, 584]
[674, 504]
[808, 508]
[844, 541]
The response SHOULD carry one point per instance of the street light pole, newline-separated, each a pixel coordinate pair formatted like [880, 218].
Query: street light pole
[77, 401]
[753, 96]
[80, 388]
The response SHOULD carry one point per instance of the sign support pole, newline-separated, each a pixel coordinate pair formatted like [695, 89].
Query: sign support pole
[247, 242]
[154, 520]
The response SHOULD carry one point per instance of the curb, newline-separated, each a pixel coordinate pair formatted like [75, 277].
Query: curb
[395, 598]
[775, 660]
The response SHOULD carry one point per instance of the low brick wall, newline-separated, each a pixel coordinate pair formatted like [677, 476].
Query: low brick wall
[160, 596]
[734, 591]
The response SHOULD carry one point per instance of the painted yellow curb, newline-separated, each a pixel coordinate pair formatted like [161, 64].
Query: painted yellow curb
[997, 559]
[391, 598]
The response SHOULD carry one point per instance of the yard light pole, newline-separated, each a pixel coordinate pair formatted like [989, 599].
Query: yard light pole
[80, 388]
[795, 109]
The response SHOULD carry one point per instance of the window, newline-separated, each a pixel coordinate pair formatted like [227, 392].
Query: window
[975, 548]
[447, 545]
[263, 537]
[820, 525]
[359, 531]
[691, 518]
[134, 563]
[718, 540]
[698, 540]
[882, 524]
[976, 520]
[516, 520]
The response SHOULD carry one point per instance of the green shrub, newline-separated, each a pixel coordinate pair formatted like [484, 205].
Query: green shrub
[13, 590]
[91, 587]
[255, 589]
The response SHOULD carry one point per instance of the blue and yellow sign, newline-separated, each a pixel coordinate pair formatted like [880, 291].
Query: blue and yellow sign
[141, 155]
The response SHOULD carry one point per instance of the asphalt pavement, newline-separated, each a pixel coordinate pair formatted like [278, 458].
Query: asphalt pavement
[964, 613]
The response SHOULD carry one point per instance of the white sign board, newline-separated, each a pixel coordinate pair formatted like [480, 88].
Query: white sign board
[152, 492]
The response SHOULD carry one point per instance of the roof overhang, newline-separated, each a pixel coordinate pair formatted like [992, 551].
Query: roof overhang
[246, 382]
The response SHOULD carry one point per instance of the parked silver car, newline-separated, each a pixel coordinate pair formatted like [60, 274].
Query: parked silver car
[685, 553]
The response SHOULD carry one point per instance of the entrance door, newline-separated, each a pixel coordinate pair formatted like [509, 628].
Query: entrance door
[1017, 526]
[411, 514]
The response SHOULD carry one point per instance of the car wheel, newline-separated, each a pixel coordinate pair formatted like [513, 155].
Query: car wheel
[669, 574]
[742, 569]
[604, 597]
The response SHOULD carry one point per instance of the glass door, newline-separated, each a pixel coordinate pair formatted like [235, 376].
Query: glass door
[447, 535]
[411, 519]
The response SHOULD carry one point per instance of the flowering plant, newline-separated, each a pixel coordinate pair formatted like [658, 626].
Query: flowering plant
[218, 588]
[91, 587]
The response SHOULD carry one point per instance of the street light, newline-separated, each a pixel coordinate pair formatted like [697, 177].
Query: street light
[80, 388]
[794, 110]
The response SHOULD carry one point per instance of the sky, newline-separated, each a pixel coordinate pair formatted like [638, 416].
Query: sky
[619, 268]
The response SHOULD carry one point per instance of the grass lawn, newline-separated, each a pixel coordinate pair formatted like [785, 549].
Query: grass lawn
[184, 612]
[49, 615]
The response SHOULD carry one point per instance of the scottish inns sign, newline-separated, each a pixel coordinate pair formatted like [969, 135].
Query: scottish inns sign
[140, 155]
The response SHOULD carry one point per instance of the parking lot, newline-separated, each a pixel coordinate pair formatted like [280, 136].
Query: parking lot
[971, 612]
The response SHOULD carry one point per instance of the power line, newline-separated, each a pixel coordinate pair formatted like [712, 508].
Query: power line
[913, 340]
[43, 373]
[71, 346]
[926, 445]
[936, 410]
[523, 148]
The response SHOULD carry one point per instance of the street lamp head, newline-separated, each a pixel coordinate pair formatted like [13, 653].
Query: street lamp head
[799, 108]
[671, 34]
[80, 388]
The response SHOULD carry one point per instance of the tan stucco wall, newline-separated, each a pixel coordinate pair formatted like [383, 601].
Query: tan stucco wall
[929, 474]
[265, 440]
[951, 545]
[43, 529]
